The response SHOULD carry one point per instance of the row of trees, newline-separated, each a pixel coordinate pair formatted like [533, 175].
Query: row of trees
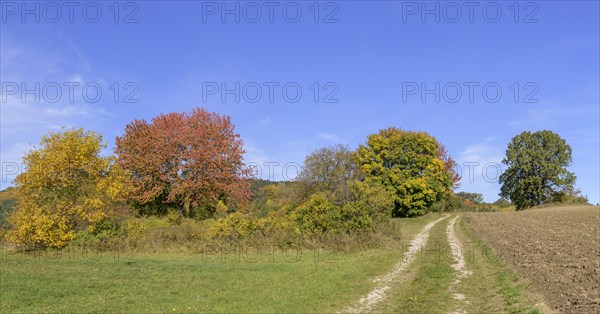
[192, 163]
[412, 166]
[187, 162]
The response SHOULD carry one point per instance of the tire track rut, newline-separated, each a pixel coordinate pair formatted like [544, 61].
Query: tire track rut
[378, 293]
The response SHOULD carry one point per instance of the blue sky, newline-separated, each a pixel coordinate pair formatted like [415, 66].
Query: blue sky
[371, 62]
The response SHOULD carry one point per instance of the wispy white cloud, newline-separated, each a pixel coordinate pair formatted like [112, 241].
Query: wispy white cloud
[269, 167]
[67, 111]
[264, 121]
[26, 119]
[254, 154]
[482, 151]
[11, 164]
[480, 166]
[333, 138]
[546, 117]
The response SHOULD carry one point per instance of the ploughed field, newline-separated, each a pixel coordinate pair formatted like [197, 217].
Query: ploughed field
[557, 249]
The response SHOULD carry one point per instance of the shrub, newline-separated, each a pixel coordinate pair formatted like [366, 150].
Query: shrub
[234, 227]
[569, 197]
[368, 206]
[221, 210]
[175, 218]
[8, 203]
[316, 216]
[449, 202]
[502, 203]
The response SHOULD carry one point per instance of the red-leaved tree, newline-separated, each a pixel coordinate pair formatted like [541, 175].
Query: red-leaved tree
[189, 161]
[450, 165]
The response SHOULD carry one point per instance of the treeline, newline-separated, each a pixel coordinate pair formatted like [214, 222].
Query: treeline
[465, 201]
[189, 166]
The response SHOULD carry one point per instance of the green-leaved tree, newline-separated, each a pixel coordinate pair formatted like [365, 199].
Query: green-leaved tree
[537, 169]
[328, 170]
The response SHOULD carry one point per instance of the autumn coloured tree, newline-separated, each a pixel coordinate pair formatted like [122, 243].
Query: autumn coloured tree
[475, 198]
[187, 161]
[68, 186]
[450, 165]
[413, 165]
[334, 197]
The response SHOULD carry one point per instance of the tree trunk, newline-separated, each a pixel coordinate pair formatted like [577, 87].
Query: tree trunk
[186, 206]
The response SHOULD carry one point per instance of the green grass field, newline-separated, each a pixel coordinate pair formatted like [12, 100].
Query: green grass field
[249, 280]
[265, 281]
[187, 283]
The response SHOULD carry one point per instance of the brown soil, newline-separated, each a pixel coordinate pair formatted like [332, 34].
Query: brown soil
[557, 249]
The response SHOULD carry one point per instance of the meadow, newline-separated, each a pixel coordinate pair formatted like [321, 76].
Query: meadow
[353, 233]
[251, 279]
[263, 280]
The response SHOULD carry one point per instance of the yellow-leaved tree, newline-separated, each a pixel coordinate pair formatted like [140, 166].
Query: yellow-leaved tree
[67, 186]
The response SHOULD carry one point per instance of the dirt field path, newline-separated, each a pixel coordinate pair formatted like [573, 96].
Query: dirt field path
[459, 266]
[378, 293]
